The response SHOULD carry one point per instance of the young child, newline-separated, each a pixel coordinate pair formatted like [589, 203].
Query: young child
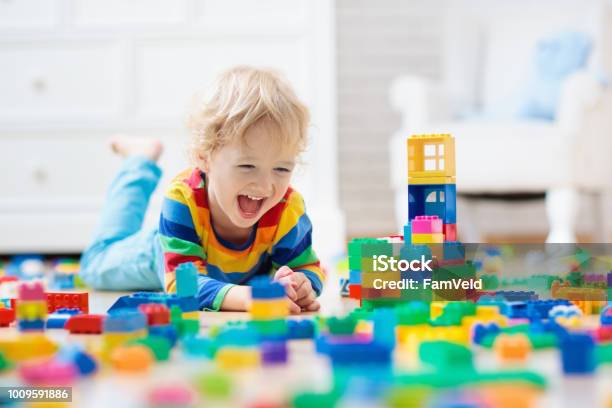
[233, 214]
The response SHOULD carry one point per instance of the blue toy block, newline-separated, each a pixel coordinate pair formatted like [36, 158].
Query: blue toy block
[514, 310]
[482, 331]
[433, 199]
[63, 281]
[355, 277]
[186, 280]
[385, 321]
[301, 329]
[358, 353]
[85, 363]
[58, 319]
[124, 320]
[408, 233]
[264, 288]
[25, 325]
[539, 309]
[167, 331]
[187, 304]
[453, 251]
[516, 296]
[606, 316]
[577, 353]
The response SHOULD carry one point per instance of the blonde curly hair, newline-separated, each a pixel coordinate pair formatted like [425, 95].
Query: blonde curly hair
[244, 96]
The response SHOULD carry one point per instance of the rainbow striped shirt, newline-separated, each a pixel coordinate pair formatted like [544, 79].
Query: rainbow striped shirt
[282, 236]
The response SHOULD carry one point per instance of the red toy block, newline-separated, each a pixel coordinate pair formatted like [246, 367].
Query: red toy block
[69, 300]
[157, 314]
[355, 291]
[86, 324]
[7, 316]
[31, 291]
[6, 279]
[450, 232]
[426, 224]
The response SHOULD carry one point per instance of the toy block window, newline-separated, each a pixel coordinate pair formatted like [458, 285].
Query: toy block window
[432, 197]
[431, 156]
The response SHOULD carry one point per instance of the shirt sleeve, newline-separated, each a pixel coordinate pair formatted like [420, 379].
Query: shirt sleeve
[181, 242]
[293, 245]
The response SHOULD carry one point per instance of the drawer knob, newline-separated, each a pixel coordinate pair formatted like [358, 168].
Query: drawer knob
[39, 84]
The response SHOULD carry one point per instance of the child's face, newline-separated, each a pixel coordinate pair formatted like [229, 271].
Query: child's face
[247, 178]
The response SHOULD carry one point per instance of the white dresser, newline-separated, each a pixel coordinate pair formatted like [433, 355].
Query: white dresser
[73, 72]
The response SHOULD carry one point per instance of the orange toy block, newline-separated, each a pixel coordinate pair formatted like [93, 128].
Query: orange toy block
[512, 347]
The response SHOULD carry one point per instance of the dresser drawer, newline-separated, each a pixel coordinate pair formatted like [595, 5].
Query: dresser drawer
[59, 80]
[54, 174]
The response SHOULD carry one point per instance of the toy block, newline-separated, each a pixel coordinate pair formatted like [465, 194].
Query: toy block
[167, 331]
[171, 395]
[156, 313]
[269, 309]
[159, 346]
[577, 353]
[31, 325]
[263, 288]
[512, 347]
[72, 300]
[358, 352]
[432, 180]
[82, 361]
[31, 310]
[271, 328]
[605, 316]
[354, 276]
[186, 280]
[31, 291]
[431, 156]
[237, 357]
[197, 346]
[450, 232]
[28, 347]
[58, 319]
[85, 324]
[407, 234]
[121, 321]
[433, 199]
[354, 291]
[7, 316]
[49, 372]
[300, 329]
[445, 355]
[134, 358]
[426, 224]
[427, 238]
[274, 352]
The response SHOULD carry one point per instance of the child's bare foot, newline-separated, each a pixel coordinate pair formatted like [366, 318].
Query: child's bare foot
[136, 146]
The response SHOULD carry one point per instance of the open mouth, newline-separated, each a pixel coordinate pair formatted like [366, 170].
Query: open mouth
[250, 205]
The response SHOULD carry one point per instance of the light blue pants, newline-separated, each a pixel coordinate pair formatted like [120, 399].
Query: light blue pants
[122, 255]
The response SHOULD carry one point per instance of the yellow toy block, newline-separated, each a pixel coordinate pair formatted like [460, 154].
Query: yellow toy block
[31, 310]
[269, 309]
[432, 180]
[113, 340]
[431, 156]
[195, 315]
[427, 238]
[27, 346]
[237, 357]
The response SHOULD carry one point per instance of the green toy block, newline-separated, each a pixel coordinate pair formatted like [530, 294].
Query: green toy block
[342, 325]
[604, 353]
[270, 327]
[314, 400]
[489, 282]
[412, 396]
[187, 327]
[446, 356]
[412, 313]
[542, 340]
[214, 385]
[5, 364]
[159, 346]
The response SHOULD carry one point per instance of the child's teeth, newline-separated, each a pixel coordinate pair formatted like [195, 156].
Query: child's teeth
[255, 198]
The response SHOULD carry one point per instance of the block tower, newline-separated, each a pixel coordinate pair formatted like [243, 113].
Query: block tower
[31, 307]
[432, 193]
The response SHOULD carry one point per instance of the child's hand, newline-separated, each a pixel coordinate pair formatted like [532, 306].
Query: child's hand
[299, 290]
